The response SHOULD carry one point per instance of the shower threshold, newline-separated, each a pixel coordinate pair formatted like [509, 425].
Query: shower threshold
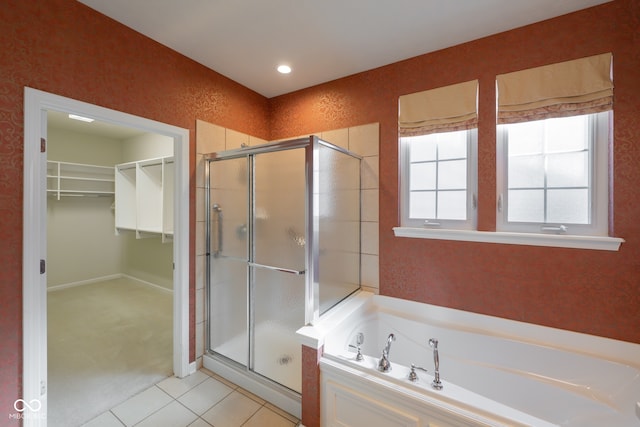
[280, 396]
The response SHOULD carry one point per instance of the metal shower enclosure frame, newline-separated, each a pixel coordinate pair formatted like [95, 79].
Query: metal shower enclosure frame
[311, 145]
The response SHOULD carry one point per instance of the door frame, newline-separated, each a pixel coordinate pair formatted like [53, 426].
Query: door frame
[34, 286]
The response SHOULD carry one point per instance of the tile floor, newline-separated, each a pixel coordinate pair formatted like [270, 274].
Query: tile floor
[202, 399]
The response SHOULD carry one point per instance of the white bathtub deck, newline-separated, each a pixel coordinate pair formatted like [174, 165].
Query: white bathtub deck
[555, 376]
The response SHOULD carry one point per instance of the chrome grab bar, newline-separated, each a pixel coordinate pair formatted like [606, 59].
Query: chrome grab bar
[217, 210]
[280, 269]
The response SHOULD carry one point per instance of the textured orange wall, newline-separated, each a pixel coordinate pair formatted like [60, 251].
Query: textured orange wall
[60, 46]
[596, 292]
[63, 47]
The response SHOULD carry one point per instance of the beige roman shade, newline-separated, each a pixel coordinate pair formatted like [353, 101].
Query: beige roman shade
[570, 88]
[444, 109]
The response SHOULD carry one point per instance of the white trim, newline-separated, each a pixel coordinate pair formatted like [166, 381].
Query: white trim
[193, 367]
[552, 240]
[83, 282]
[36, 103]
[103, 279]
[150, 284]
[34, 302]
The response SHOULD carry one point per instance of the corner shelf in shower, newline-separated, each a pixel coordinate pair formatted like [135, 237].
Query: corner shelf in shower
[78, 179]
[144, 198]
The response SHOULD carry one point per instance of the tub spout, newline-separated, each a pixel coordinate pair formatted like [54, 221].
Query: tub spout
[385, 365]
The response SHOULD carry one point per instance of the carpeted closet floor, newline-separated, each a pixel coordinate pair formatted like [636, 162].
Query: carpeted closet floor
[106, 342]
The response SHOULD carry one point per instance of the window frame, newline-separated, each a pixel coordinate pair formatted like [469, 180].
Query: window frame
[600, 127]
[472, 188]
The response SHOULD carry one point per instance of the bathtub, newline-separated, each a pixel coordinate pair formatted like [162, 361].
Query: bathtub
[494, 372]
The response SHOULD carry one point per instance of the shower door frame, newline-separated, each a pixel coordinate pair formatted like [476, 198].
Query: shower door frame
[312, 305]
[243, 375]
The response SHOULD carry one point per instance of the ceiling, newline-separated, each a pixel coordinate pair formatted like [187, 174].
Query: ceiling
[59, 120]
[321, 40]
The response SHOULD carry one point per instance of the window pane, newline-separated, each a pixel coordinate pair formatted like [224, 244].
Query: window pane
[526, 171]
[526, 206]
[568, 206]
[560, 179]
[568, 170]
[452, 205]
[452, 145]
[422, 204]
[423, 148]
[525, 138]
[423, 176]
[452, 175]
[438, 164]
[567, 133]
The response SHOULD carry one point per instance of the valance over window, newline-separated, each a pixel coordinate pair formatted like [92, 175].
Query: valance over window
[444, 109]
[571, 88]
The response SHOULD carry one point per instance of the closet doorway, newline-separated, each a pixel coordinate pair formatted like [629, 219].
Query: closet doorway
[159, 152]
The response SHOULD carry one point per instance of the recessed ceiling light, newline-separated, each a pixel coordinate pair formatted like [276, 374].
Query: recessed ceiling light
[284, 69]
[82, 119]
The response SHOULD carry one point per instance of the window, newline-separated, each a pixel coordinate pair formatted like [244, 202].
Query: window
[553, 175]
[554, 129]
[553, 138]
[437, 150]
[438, 180]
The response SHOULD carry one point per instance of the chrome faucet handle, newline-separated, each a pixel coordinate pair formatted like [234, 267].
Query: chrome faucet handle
[359, 342]
[413, 376]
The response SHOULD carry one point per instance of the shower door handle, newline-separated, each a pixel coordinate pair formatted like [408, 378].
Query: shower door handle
[217, 212]
[280, 269]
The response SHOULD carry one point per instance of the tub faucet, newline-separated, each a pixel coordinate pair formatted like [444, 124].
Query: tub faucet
[384, 365]
[437, 384]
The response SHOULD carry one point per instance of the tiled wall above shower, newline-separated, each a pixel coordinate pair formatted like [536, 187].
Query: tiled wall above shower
[362, 140]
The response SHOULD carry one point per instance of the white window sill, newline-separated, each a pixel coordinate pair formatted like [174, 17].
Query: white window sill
[506, 238]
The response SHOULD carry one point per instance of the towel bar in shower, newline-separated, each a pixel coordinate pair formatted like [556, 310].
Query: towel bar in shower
[280, 269]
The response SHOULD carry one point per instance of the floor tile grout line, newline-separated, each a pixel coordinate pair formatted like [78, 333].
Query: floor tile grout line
[160, 408]
[164, 406]
[234, 387]
[116, 417]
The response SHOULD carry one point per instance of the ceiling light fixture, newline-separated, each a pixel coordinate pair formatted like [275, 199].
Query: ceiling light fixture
[284, 69]
[82, 119]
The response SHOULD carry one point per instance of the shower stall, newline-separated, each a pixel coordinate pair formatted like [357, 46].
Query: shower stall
[283, 247]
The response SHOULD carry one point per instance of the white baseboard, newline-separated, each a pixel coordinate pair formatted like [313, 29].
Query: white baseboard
[83, 282]
[193, 367]
[162, 288]
[102, 279]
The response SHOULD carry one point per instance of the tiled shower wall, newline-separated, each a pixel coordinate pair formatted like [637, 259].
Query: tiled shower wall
[362, 140]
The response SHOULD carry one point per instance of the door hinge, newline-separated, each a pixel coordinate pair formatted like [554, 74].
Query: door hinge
[43, 145]
[43, 268]
[43, 388]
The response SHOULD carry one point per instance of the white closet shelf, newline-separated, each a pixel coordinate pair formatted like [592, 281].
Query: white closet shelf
[78, 179]
[144, 197]
[80, 193]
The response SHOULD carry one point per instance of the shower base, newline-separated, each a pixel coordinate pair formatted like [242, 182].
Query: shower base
[273, 393]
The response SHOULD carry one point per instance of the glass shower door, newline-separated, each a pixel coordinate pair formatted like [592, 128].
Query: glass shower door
[229, 252]
[278, 264]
